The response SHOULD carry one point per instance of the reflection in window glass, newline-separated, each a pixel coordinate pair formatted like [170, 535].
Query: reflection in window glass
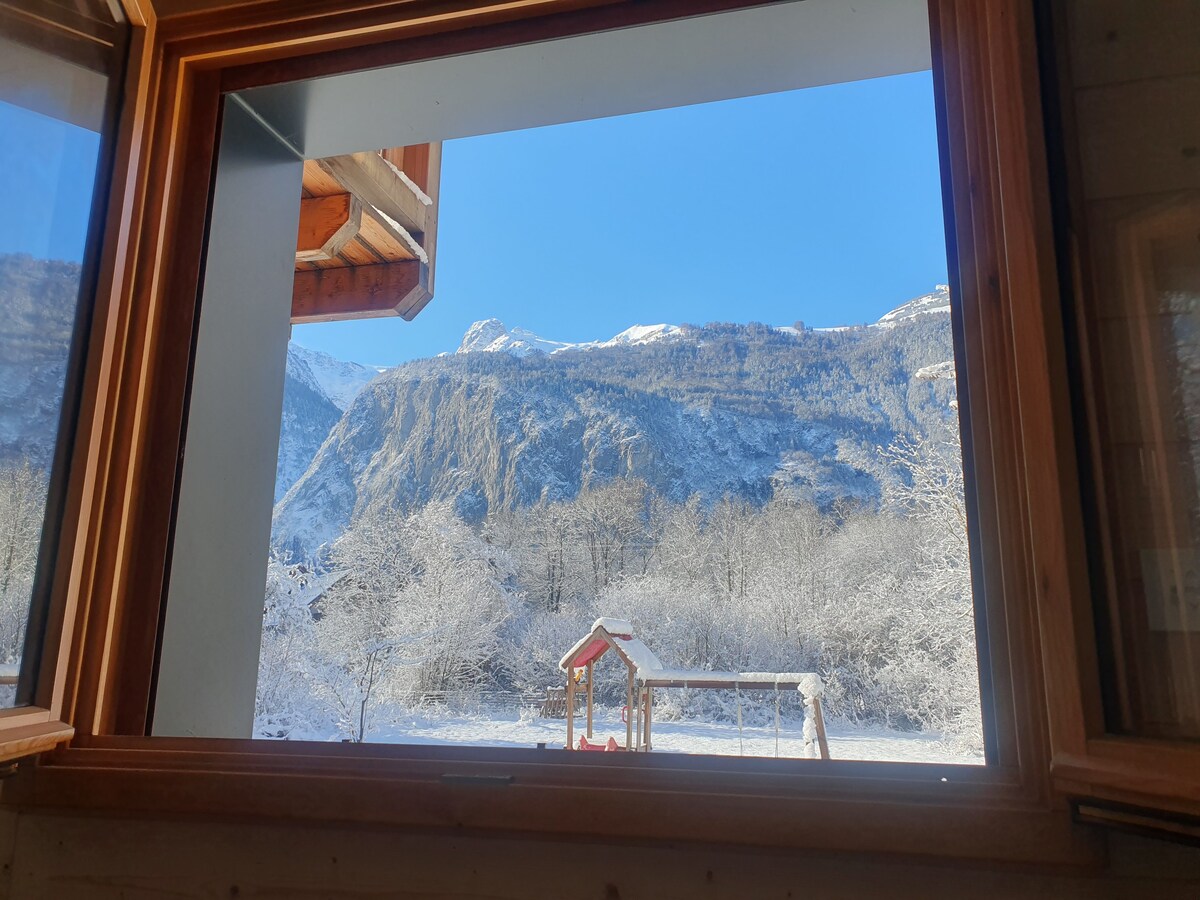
[1131, 163]
[50, 168]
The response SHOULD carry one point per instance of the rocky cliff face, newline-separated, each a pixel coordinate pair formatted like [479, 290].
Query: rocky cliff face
[743, 410]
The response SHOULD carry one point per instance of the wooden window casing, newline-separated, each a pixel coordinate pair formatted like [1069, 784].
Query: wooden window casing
[96, 43]
[1037, 652]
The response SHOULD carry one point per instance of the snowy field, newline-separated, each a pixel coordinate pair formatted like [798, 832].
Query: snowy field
[692, 736]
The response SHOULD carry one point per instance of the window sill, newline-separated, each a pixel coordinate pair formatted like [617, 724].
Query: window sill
[36, 737]
[951, 812]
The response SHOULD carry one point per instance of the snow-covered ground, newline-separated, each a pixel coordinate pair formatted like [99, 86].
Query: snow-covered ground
[512, 730]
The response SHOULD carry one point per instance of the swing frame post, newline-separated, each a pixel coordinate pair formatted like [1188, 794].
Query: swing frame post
[629, 712]
[649, 714]
[589, 701]
[777, 721]
[819, 721]
[737, 693]
[570, 709]
[638, 708]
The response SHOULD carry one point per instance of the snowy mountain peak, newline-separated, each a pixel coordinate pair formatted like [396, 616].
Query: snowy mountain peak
[482, 335]
[642, 334]
[492, 336]
[335, 379]
[936, 302]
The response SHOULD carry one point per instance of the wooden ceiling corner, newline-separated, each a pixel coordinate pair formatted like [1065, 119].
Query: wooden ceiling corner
[367, 237]
[327, 225]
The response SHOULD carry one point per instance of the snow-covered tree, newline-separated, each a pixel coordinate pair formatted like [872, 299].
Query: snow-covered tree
[284, 701]
[454, 607]
[22, 508]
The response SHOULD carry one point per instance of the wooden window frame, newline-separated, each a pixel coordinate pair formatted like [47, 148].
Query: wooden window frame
[1037, 650]
[41, 723]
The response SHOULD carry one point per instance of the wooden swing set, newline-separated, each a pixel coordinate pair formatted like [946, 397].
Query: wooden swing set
[646, 672]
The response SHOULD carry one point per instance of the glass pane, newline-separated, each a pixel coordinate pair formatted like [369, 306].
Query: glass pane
[50, 116]
[740, 461]
[1131, 101]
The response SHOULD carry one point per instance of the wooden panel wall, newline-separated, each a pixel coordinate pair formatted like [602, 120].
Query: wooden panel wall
[1136, 81]
[1135, 75]
[84, 857]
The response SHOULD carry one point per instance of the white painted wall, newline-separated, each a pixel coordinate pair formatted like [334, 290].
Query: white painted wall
[209, 663]
[779, 47]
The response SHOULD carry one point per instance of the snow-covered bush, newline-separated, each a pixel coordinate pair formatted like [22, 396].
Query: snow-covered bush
[534, 640]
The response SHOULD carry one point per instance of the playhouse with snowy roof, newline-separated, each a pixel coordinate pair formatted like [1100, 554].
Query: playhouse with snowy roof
[646, 672]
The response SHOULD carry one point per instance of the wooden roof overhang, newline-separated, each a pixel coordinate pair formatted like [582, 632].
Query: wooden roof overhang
[366, 243]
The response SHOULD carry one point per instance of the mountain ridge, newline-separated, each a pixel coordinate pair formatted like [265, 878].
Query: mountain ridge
[742, 410]
[493, 336]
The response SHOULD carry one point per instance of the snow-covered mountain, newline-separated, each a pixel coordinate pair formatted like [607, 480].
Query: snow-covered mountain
[336, 379]
[492, 336]
[935, 303]
[317, 389]
[744, 410]
[513, 419]
[639, 334]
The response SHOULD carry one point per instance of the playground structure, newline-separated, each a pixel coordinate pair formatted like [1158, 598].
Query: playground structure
[646, 672]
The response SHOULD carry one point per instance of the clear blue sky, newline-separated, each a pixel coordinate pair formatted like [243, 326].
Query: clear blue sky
[822, 205]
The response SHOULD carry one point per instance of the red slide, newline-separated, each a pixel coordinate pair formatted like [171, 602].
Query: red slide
[611, 745]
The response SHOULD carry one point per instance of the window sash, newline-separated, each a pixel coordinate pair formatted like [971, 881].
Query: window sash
[100, 45]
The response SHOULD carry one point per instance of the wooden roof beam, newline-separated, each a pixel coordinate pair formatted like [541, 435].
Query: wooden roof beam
[388, 238]
[375, 181]
[327, 224]
[413, 161]
[360, 292]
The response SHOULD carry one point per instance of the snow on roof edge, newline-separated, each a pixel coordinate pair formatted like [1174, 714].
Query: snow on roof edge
[622, 627]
